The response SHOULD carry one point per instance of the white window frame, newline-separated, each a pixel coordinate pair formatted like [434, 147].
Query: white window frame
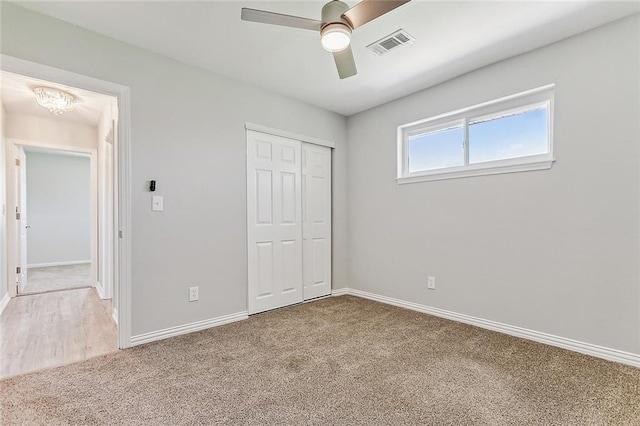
[513, 104]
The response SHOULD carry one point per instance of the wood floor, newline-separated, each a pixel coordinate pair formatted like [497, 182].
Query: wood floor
[49, 329]
[60, 277]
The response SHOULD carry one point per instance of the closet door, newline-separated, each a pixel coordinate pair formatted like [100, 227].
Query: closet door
[316, 219]
[274, 219]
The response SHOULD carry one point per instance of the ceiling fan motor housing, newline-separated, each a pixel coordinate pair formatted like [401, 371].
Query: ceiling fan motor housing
[332, 13]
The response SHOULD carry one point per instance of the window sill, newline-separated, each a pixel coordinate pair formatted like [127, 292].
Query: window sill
[492, 168]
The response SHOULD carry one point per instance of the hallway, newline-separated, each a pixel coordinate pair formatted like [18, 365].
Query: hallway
[50, 329]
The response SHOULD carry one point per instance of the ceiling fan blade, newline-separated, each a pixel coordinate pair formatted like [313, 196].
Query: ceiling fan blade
[345, 63]
[368, 10]
[265, 17]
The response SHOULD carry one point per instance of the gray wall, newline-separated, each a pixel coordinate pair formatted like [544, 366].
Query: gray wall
[188, 135]
[554, 251]
[58, 208]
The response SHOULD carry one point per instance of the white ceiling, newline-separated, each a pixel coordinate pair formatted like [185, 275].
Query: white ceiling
[452, 38]
[18, 98]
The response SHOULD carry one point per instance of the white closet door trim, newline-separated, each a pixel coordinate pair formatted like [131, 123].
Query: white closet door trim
[289, 135]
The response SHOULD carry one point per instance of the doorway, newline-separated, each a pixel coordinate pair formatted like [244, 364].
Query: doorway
[58, 305]
[65, 288]
[57, 220]
[288, 221]
[113, 219]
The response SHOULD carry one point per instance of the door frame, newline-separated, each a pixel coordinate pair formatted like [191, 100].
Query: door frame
[12, 150]
[15, 204]
[121, 179]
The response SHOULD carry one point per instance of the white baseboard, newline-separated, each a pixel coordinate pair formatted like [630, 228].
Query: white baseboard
[99, 289]
[187, 328]
[609, 354]
[4, 302]
[114, 315]
[70, 262]
[340, 291]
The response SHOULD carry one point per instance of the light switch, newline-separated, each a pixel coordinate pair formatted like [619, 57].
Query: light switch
[157, 203]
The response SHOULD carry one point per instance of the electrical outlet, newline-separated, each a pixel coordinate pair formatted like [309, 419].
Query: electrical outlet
[194, 294]
[431, 283]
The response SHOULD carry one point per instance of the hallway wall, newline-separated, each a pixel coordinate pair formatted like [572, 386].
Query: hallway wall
[58, 209]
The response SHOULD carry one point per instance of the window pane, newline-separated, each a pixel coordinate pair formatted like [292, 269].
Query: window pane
[436, 150]
[512, 136]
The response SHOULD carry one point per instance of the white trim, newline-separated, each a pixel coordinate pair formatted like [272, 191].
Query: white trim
[4, 302]
[609, 354]
[100, 290]
[122, 221]
[289, 135]
[187, 328]
[114, 315]
[506, 102]
[122, 218]
[49, 146]
[481, 169]
[66, 263]
[340, 291]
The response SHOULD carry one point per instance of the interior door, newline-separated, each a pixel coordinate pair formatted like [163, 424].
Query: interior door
[274, 221]
[316, 219]
[21, 218]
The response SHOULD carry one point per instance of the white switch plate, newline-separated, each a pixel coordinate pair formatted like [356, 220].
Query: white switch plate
[157, 203]
[431, 283]
[194, 294]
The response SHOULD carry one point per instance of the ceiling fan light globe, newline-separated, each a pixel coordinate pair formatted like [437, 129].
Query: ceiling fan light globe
[335, 37]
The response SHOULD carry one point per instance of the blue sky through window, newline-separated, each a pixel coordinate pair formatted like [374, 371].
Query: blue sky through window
[499, 138]
[509, 137]
[436, 150]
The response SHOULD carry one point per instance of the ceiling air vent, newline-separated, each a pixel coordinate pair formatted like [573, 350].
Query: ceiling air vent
[390, 42]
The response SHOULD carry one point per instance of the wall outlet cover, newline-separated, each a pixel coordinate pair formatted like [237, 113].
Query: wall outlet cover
[194, 294]
[431, 283]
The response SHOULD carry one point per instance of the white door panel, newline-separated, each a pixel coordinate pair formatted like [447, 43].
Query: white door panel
[264, 197]
[264, 258]
[316, 195]
[274, 219]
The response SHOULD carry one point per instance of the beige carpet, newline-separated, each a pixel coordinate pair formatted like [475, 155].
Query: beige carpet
[340, 360]
[49, 278]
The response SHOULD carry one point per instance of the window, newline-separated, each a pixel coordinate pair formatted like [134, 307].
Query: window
[511, 134]
[436, 149]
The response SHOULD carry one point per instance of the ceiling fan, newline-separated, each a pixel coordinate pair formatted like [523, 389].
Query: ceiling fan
[338, 21]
